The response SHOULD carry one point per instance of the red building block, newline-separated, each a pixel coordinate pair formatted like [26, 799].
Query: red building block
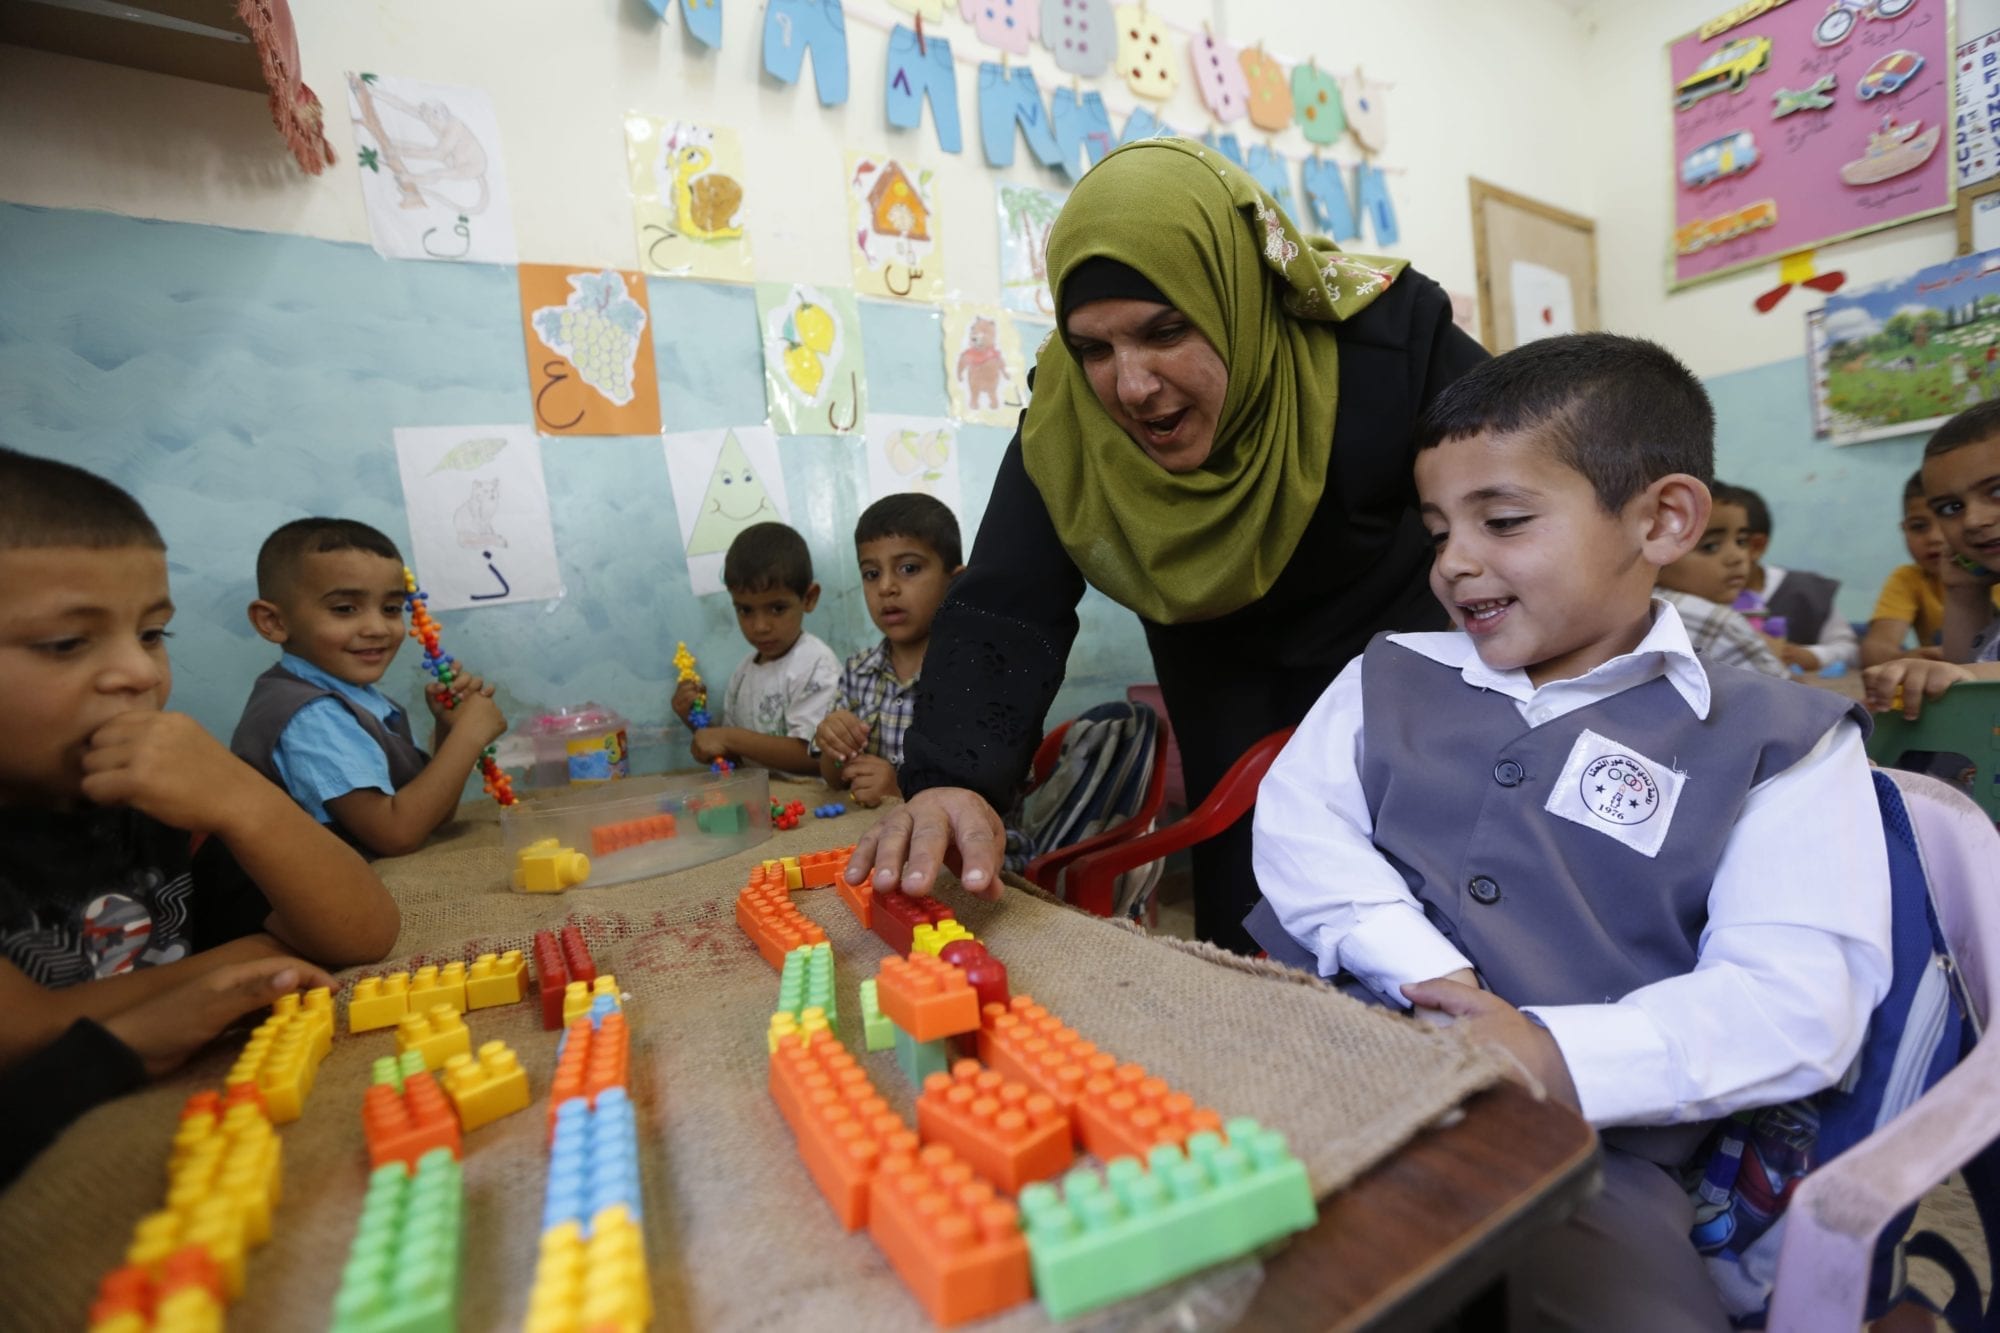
[1007, 1133]
[926, 997]
[592, 1060]
[955, 1243]
[764, 910]
[402, 1128]
[843, 1126]
[897, 916]
[560, 960]
[576, 955]
[1127, 1113]
[1025, 1042]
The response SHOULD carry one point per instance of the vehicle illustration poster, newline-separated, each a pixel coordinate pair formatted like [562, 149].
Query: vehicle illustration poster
[1801, 122]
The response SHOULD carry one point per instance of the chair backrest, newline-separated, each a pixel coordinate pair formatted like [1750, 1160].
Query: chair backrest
[1100, 779]
[1965, 720]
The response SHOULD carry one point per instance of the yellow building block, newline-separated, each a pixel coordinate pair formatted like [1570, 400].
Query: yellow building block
[487, 1088]
[598, 1283]
[546, 866]
[283, 1054]
[378, 1002]
[794, 876]
[433, 986]
[316, 1007]
[931, 939]
[495, 979]
[578, 997]
[440, 1034]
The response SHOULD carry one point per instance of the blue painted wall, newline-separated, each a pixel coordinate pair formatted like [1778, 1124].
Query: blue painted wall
[235, 380]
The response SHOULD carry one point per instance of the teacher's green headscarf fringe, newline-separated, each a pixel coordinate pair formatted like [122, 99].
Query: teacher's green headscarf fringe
[1200, 544]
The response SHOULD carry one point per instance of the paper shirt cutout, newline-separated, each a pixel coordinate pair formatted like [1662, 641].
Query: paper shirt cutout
[1218, 77]
[1145, 53]
[735, 499]
[1270, 96]
[794, 29]
[703, 19]
[1367, 106]
[1081, 35]
[1316, 105]
[1004, 25]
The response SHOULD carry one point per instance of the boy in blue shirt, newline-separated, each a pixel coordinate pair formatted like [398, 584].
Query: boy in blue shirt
[1661, 886]
[330, 592]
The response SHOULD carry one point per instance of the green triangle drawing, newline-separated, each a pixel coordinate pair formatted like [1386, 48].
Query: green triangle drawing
[735, 499]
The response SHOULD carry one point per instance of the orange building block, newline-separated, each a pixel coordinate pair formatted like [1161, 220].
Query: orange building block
[495, 979]
[822, 870]
[1006, 1132]
[953, 1240]
[860, 900]
[1025, 1042]
[608, 838]
[403, 1127]
[1126, 1113]
[764, 910]
[926, 997]
[592, 1059]
[843, 1126]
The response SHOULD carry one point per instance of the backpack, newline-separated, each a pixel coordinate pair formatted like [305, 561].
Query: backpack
[1099, 781]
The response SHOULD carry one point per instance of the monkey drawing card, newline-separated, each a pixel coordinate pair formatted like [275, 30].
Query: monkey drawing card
[431, 176]
[687, 199]
[590, 351]
[983, 370]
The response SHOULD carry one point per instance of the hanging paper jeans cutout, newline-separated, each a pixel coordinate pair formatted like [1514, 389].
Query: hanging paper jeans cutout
[1226, 145]
[1083, 129]
[703, 19]
[914, 74]
[1271, 171]
[1371, 195]
[1326, 196]
[1007, 99]
[791, 27]
[1004, 25]
[1143, 124]
[659, 6]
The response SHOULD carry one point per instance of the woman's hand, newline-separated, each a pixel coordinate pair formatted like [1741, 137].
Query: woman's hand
[939, 827]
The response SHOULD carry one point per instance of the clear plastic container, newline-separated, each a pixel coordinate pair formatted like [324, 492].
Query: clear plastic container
[582, 745]
[594, 837]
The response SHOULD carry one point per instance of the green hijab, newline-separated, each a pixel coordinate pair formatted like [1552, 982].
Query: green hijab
[1196, 545]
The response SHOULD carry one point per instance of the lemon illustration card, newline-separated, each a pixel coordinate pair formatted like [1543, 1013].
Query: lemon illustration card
[724, 481]
[813, 374]
[914, 454]
[687, 198]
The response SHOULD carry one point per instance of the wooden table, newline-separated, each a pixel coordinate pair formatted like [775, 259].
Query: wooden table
[1430, 1229]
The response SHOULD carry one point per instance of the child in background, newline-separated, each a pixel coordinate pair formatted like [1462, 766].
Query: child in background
[1912, 597]
[153, 885]
[330, 592]
[783, 690]
[1815, 637]
[909, 551]
[1961, 475]
[1661, 885]
[1704, 582]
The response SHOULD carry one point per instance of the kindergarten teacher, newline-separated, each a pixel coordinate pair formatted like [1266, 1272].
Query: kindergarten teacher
[1219, 439]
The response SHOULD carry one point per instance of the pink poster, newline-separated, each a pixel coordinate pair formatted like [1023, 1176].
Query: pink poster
[1798, 122]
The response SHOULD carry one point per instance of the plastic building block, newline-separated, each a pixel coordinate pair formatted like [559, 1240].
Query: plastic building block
[578, 998]
[897, 916]
[284, 1052]
[832, 811]
[794, 878]
[546, 866]
[809, 1026]
[593, 1161]
[860, 899]
[433, 986]
[378, 1002]
[486, 1088]
[1097, 1241]
[928, 938]
[806, 981]
[222, 1181]
[842, 1124]
[594, 1056]
[878, 1033]
[986, 974]
[559, 961]
[926, 997]
[1124, 1112]
[608, 838]
[822, 870]
[723, 820]
[919, 1059]
[766, 914]
[999, 1128]
[393, 1069]
[402, 1271]
[439, 1034]
[402, 1128]
[496, 979]
[599, 1283]
[955, 1243]
[186, 1296]
[1025, 1042]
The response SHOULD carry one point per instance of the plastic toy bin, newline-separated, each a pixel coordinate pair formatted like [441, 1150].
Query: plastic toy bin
[632, 829]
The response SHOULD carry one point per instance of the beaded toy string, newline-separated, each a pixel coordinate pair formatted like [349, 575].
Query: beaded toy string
[444, 666]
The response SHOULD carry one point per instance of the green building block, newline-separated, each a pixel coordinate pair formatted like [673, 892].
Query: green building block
[807, 982]
[402, 1272]
[920, 1059]
[724, 820]
[878, 1033]
[1101, 1240]
[393, 1069]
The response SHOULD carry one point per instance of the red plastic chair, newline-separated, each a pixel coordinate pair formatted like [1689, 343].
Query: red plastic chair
[1093, 879]
[1046, 870]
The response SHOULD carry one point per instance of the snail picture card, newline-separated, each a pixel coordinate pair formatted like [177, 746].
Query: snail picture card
[914, 454]
[814, 378]
[687, 199]
[431, 177]
[985, 376]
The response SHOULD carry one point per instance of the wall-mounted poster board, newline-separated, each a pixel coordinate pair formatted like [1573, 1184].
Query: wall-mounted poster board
[1537, 268]
[1798, 124]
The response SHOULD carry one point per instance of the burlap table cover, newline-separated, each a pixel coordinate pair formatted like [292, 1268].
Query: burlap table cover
[737, 1236]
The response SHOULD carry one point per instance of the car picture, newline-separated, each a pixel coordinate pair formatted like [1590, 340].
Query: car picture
[1888, 74]
[1724, 70]
[1730, 155]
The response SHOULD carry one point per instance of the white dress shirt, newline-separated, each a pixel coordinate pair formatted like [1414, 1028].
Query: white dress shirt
[1792, 961]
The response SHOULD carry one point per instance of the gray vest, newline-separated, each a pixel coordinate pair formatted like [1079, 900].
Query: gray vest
[1805, 601]
[279, 694]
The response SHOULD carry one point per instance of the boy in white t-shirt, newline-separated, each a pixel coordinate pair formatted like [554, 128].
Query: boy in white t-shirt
[779, 694]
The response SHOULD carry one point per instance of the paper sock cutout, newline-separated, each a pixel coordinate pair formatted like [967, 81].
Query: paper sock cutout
[1371, 190]
[703, 19]
[1270, 96]
[793, 27]
[1316, 105]
[1144, 43]
[1008, 98]
[1081, 34]
[1004, 25]
[1082, 129]
[914, 74]
[1218, 77]
[1226, 145]
[1271, 171]
[1326, 196]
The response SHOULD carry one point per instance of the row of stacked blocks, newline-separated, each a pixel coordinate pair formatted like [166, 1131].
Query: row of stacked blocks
[1182, 1188]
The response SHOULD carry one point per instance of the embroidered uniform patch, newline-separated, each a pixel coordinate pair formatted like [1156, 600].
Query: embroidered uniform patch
[1617, 791]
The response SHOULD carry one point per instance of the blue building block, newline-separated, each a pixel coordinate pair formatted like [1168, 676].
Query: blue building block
[593, 1161]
